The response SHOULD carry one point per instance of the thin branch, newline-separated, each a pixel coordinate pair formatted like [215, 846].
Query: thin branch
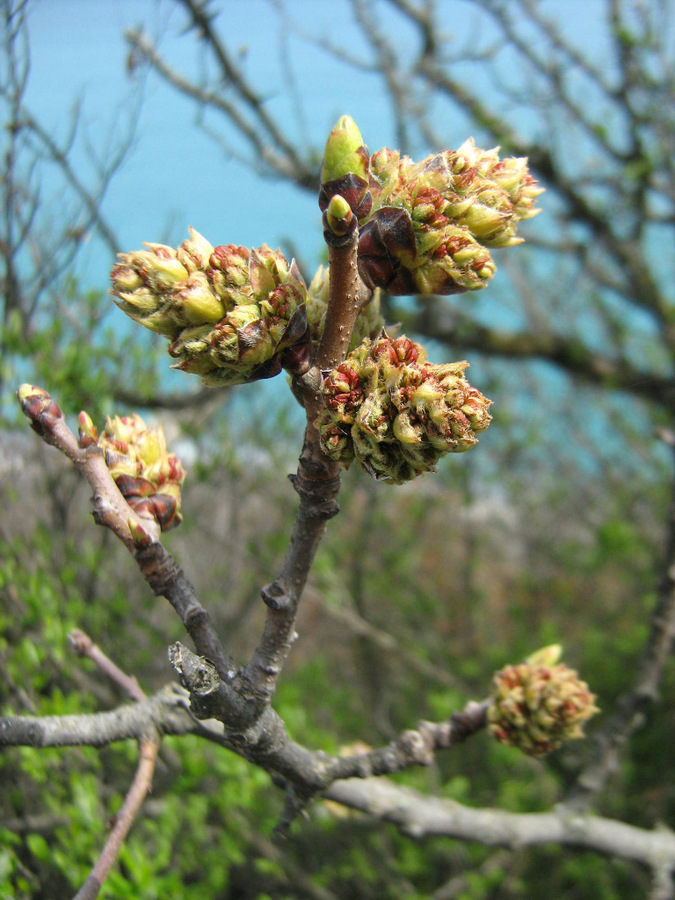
[415, 814]
[460, 331]
[175, 401]
[124, 819]
[158, 567]
[644, 692]
[91, 201]
[110, 507]
[220, 714]
[398, 83]
[83, 645]
[232, 76]
[278, 156]
[317, 480]
[142, 783]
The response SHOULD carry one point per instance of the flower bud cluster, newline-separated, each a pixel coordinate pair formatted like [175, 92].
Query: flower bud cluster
[369, 324]
[231, 314]
[148, 477]
[397, 414]
[537, 704]
[432, 222]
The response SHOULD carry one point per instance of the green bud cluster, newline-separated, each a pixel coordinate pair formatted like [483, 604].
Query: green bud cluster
[231, 314]
[148, 477]
[432, 222]
[397, 414]
[538, 704]
[368, 325]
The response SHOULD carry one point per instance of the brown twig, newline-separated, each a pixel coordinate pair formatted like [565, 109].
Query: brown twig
[158, 567]
[110, 507]
[263, 738]
[83, 645]
[142, 783]
[167, 579]
[317, 481]
[630, 707]
[124, 819]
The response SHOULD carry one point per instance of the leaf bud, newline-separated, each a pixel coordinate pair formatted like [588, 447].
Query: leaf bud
[37, 405]
[345, 168]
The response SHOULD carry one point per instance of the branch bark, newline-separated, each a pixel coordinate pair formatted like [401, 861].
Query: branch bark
[419, 816]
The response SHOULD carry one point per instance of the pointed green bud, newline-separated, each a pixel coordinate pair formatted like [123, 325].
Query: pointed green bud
[88, 433]
[31, 392]
[345, 169]
[195, 303]
[158, 271]
[126, 279]
[195, 253]
[139, 535]
[339, 218]
[344, 152]
[547, 656]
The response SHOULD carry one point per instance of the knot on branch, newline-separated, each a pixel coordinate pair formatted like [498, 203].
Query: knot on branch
[276, 596]
[210, 696]
[318, 496]
[199, 675]
[158, 568]
[416, 747]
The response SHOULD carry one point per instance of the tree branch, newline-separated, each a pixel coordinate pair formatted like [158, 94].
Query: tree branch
[317, 480]
[124, 819]
[630, 707]
[418, 816]
[461, 332]
[158, 567]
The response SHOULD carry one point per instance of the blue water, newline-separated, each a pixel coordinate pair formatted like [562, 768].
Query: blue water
[176, 175]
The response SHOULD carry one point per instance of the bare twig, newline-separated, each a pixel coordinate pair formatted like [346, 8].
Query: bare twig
[124, 819]
[83, 645]
[631, 706]
[415, 814]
